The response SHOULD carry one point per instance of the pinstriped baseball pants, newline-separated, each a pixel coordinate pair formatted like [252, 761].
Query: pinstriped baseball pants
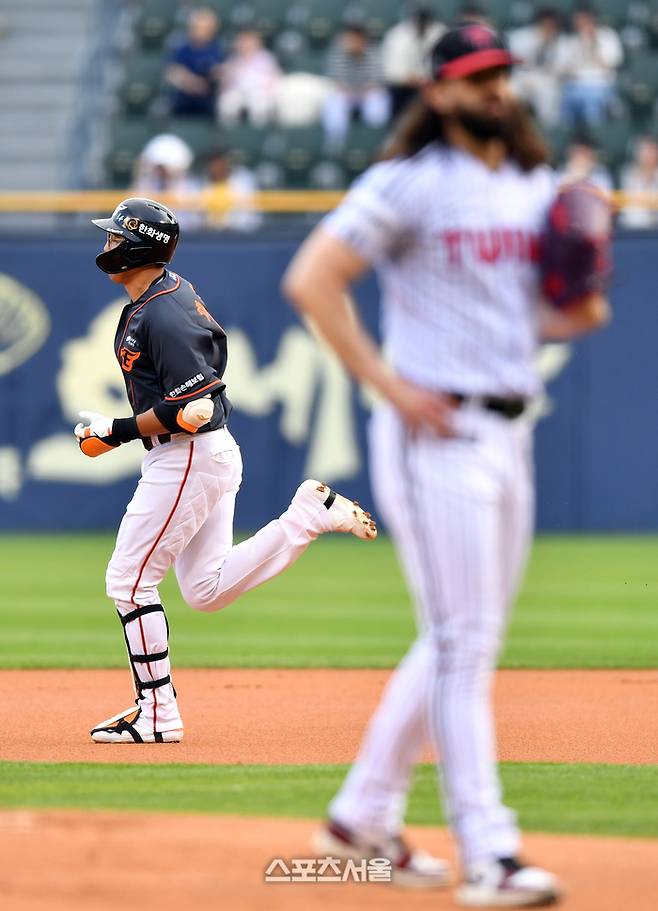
[460, 512]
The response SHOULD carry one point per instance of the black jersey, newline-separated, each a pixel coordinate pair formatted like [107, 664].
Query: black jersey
[170, 349]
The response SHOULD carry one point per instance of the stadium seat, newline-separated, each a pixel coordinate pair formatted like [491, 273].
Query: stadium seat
[142, 81]
[307, 61]
[289, 45]
[129, 136]
[327, 175]
[557, 139]
[244, 142]
[199, 134]
[295, 150]
[506, 15]
[614, 140]
[615, 12]
[362, 148]
[270, 175]
[271, 16]
[638, 82]
[376, 15]
[319, 20]
[155, 22]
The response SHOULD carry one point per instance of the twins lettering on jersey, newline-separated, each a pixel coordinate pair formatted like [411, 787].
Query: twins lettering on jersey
[490, 245]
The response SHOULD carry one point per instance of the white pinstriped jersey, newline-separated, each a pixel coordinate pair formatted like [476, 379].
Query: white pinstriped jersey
[455, 246]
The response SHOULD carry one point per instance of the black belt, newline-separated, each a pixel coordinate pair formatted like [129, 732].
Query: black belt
[507, 408]
[162, 438]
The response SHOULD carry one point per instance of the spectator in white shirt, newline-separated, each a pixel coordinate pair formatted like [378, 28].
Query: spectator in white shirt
[641, 176]
[582, 163]
[535, 78]
[404, 53]
[249, 81]
[587, 60]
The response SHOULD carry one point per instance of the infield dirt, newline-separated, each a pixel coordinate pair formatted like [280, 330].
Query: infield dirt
[318, 716]
[68, 861]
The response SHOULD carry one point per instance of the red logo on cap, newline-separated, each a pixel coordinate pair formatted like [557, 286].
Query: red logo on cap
[479, 35]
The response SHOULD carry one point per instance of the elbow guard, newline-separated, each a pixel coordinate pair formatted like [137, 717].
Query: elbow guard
[186, 419]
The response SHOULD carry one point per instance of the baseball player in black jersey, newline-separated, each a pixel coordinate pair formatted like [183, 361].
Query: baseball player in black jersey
[173, 354]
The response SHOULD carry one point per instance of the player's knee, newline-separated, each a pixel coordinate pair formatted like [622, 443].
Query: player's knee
[464, 647]
[204, 596]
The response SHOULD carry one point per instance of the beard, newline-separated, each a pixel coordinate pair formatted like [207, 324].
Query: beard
[486, 126]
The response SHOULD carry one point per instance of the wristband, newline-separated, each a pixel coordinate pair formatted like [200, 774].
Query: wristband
[125, 429]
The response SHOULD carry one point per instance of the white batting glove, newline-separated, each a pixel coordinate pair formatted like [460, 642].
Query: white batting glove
[93, 424]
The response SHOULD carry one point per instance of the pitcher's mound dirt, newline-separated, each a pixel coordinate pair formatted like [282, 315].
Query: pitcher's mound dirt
[318, 716]
[69, 861]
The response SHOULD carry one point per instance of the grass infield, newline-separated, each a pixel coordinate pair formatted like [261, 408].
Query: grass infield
[587, 602]
[578, 799]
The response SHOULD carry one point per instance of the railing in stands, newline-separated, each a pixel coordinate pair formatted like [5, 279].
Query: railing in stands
[217, 200]
[211, 201]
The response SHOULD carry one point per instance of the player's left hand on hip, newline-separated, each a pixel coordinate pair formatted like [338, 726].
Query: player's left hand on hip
[94, 434]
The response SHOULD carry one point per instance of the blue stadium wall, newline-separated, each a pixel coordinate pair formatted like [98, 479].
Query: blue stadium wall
[295, 413]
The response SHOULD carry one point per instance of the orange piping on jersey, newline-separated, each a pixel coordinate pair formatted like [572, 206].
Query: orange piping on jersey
[177, 398]
[157, 294]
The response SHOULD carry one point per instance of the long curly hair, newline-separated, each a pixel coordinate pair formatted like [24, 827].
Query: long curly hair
[421, 125]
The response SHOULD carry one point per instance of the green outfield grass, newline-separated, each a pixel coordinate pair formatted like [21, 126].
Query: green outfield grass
[585, 799]
[587, 602]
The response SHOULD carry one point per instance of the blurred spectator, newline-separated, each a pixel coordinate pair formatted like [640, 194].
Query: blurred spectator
[641, 176]
[229, 194]
[164, 166]
[249, 81]
[353, 66]
[587, 60]
[194, 66]
[404, 53]
[582, 163]
[535, 78]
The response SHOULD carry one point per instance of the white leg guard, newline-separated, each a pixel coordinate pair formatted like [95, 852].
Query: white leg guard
[146, 632]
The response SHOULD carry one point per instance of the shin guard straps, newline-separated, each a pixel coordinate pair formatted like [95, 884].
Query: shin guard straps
[148, 658]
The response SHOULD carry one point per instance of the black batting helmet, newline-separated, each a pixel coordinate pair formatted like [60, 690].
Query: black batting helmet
[150, 231]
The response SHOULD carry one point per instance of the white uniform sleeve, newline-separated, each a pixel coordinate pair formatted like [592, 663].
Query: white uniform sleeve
[372, 219]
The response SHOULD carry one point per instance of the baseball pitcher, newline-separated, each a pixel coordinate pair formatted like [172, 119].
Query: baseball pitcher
[453, 221]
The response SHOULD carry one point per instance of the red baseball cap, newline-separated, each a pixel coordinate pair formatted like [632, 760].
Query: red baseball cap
[467, 49]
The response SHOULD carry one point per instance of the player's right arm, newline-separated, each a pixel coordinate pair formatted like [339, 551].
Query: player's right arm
[319, 280]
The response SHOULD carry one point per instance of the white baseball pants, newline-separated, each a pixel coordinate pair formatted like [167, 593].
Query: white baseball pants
[182, 515]
[461, 514]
